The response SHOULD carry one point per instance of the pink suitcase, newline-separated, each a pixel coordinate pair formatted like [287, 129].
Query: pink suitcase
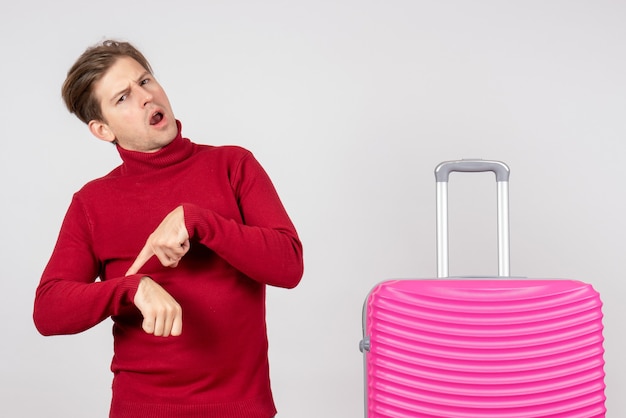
[482, 347]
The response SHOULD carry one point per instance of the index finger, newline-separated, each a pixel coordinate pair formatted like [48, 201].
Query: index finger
[145, 255]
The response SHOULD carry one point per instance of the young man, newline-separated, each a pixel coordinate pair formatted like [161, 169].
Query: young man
[183, 237]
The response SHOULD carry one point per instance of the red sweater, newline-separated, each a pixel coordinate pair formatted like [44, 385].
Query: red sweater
[241, 240]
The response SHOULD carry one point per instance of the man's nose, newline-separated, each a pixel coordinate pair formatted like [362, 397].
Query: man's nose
[145, 96]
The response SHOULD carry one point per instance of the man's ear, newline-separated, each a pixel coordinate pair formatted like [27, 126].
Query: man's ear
[101, 131]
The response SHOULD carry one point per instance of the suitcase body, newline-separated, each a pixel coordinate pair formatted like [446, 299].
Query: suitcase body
[482, 347]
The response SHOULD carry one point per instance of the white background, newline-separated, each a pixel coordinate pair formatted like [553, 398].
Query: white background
[349, 105]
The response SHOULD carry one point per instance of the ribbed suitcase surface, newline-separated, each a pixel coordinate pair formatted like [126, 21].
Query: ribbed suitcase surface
[481, 348]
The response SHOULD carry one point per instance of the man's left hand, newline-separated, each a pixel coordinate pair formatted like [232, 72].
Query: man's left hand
[169, 242]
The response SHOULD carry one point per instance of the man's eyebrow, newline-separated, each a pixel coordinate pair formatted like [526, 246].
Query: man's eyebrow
[126, 89]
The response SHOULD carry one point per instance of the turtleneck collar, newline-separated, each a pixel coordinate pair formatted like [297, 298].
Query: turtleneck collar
[136, 162]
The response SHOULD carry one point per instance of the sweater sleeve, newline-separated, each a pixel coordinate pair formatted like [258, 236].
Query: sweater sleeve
[68, 299]
[266, 246]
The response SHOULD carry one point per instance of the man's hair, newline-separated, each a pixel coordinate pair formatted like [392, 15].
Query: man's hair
[78, 88]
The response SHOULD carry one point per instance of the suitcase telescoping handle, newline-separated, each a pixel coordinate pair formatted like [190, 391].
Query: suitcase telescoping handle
[442, 173]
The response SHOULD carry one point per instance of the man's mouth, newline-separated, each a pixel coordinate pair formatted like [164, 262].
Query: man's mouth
[156, 118]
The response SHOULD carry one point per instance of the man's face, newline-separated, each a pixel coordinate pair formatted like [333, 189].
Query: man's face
[136, 111]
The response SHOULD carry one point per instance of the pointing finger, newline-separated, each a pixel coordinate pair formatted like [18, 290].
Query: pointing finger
[145, 255]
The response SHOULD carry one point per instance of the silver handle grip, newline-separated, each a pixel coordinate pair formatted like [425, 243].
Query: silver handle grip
[442, 173]
[443, 170]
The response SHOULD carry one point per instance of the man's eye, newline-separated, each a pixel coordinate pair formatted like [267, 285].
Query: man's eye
[122, 98]
[143, 82]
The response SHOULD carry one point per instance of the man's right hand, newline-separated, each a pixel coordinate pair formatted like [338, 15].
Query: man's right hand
[162, 315]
